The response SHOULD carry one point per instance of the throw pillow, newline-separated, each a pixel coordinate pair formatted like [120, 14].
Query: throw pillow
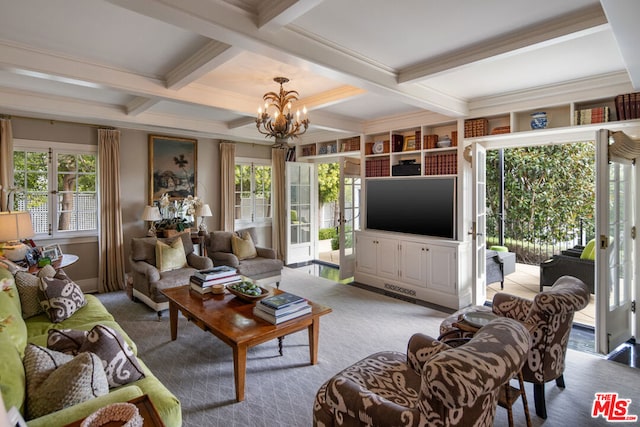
[66, 341]
[118, 360]
[170, 257]
[589, 251]
[27, 285]
[243, 246]
[56, 380]
[60, 297]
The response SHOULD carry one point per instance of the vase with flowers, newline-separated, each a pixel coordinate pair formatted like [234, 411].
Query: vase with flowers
[177, 214]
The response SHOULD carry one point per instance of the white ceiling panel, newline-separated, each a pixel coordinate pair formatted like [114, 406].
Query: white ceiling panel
[204, 66]
[549, 65]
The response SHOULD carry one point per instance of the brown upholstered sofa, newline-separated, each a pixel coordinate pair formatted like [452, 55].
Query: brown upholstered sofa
[263, 264]
[148, 280]
[549, 317]
[432, 385]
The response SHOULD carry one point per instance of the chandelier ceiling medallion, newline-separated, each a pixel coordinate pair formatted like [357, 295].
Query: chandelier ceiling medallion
[282, 125]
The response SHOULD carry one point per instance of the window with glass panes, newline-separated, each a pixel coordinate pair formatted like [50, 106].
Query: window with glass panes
[58, 186]
[252, 192]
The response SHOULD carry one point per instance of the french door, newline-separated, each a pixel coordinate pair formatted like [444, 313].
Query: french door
[615, 199]
[301, 212]
[479, 160]
[349, 215]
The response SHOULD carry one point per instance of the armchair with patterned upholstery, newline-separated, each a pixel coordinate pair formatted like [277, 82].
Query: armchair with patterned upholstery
[549, 317]
[433, 384]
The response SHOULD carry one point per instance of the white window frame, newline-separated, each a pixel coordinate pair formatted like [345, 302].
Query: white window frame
[57, 148]
[263, 221]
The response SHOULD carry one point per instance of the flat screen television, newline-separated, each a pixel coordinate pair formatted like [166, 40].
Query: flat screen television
[425, 206]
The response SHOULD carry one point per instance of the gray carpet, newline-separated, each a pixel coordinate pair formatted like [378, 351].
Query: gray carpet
[198, 367]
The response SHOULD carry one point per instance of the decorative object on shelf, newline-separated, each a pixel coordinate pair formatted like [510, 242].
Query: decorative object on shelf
[409, 144]
[203, 211]
[123, 413]
[15, 226]
[539, 120]
[151, 214]
[323, 150]
[282, 125]
[172, 167]
[444, 142]
[378, 147]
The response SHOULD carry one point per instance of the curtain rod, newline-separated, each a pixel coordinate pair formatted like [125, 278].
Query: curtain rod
[53, 121]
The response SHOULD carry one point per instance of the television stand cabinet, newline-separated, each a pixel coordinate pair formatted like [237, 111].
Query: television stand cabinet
[413, 267]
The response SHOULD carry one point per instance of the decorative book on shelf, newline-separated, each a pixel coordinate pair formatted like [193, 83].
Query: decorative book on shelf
[628, 106]
[377, 167]
[441, 163]
[476, 127]
[303, 309]
[588, 116]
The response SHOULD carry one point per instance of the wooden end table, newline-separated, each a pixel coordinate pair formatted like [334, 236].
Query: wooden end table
[233, 322]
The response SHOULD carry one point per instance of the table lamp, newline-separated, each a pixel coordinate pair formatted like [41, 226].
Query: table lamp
[203, 211]
[15, 226]
[151, 214]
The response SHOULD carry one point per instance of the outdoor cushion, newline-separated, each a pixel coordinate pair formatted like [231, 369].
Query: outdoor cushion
[589, 251]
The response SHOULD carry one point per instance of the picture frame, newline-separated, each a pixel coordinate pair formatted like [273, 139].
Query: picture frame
[53, 252]
[409, 143]
[172, 167]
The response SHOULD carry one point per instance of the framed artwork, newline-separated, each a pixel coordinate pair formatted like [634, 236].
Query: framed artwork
[172, 167]
[409, 143]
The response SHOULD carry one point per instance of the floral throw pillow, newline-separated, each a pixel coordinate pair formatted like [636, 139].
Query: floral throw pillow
[60, 297]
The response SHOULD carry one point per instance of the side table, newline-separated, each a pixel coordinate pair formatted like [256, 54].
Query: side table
[508, 395]
[64, 261]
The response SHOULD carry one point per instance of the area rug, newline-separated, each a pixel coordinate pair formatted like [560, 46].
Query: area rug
[280, 390]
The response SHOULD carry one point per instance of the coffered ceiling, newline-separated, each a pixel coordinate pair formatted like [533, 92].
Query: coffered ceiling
[200, 67]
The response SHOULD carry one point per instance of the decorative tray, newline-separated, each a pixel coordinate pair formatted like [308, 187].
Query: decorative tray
[478, 319]
[246, 297]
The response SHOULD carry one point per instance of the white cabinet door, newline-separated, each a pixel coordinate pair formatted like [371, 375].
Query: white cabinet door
[387, 258]
[441, 269]
[367, 254]
[414, 263]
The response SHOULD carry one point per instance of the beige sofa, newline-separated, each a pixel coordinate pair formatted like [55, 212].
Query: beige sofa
[149, 280]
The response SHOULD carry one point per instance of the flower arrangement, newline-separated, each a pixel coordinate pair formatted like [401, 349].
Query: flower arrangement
[177, 214]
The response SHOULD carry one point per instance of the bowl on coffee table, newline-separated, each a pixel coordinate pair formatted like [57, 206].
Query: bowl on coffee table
[244, 291]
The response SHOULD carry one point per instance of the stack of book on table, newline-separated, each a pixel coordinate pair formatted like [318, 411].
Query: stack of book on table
[282, 307]
[214, 279]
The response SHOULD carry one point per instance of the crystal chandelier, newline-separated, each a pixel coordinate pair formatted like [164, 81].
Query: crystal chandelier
[282, 125]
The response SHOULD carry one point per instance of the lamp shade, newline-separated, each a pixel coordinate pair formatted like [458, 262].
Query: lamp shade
[151, 213]
[15, 226]
[203, 210]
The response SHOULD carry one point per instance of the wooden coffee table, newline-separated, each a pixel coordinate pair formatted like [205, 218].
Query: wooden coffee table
[233, 322]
